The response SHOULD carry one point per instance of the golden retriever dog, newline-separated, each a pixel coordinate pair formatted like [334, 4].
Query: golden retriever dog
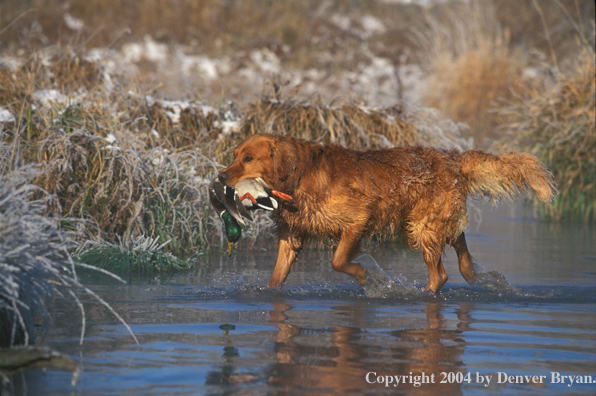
[348, 195]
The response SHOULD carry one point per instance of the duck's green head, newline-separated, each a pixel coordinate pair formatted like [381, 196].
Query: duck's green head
[233, 230]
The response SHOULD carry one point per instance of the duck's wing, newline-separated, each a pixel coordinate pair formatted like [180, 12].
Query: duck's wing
[224, 198]
[237, 202]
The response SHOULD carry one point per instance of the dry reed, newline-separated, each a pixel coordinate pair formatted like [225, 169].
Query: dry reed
[347, 124]
[558, 125]
[470, 66]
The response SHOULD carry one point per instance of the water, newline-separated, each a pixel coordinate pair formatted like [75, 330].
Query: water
[535, 318]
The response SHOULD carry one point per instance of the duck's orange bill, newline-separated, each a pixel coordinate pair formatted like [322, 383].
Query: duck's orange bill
[281, 195]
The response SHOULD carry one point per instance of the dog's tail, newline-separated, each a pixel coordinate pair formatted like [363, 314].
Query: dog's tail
[505, 175]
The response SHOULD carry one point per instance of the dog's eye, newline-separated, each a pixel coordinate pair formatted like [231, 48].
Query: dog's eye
[248, 158]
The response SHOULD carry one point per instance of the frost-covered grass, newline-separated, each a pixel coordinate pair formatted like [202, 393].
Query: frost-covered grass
[103, 157]
[35, 260]
[31, 245]
[349, 124]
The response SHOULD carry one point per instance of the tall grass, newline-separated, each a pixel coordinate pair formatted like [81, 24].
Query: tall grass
[558, 125]
[216, 27]
[31, 245]
[100, 158]
[208, 26]
[34, 260]
[346, 123]
[470, 66]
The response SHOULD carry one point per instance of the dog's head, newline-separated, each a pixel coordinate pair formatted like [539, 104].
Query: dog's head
[274, 158]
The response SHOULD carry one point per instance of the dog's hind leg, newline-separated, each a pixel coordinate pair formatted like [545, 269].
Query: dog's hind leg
[347, 249]
[437, 276]
[431, 252]
[287, 252]
[464, 258]
[431, 243]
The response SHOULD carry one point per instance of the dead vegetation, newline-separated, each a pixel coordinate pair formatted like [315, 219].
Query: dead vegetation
[35, 260]
[347, 124]
[471, 66]
[558, 125]
[119, 185]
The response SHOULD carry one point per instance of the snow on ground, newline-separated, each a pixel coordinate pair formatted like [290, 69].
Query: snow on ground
[180, 72]
[6, 115]
[47, 97]
[241, 75]
[149, 50]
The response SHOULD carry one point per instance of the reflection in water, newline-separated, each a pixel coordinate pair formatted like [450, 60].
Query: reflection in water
[308, 346]
[226, 375]
[337, 359]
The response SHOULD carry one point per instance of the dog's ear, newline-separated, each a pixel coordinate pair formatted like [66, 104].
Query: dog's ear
[284, 157]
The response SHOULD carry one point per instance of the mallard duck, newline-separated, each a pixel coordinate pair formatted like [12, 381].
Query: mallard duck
[229, 207]
[232, 204]
[256, 194]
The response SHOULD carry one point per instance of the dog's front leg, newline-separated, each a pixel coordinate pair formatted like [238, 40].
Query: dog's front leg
[287, 252]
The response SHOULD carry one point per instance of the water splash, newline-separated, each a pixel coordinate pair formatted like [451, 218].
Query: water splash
[489, 286]
[379, 284]
[494, 281]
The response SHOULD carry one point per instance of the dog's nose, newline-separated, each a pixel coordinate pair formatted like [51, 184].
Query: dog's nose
[223, 176]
